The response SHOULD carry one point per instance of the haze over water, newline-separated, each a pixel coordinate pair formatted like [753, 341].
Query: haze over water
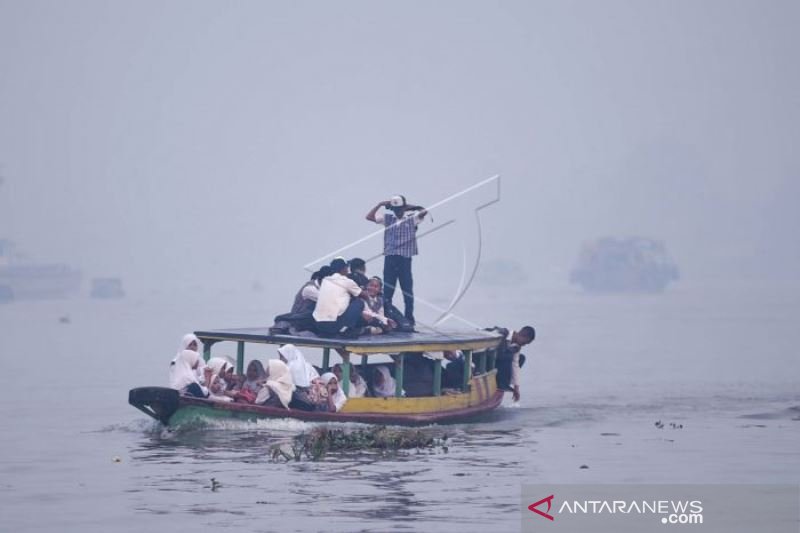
[200, 150]
[602, 372]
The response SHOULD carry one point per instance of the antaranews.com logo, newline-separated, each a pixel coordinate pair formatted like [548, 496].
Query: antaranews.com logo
[629, 508]
[669, 511]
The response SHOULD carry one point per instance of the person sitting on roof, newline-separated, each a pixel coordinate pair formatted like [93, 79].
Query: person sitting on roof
[278, 388]
[509, 359]
[339, 309]
[373, 308]
[306, 298]
[255, 377]
[336, 398]
[383, 384]
[358, 387]
[183, 372]
[358, 271]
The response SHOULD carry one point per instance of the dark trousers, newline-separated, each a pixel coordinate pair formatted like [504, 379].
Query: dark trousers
[194, 390]
[503, 365]
[397, 268]
[349, 319]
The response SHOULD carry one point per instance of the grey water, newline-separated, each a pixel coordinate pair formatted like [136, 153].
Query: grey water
[718, 367]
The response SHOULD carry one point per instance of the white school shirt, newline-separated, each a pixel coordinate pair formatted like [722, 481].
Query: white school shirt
[334, 297]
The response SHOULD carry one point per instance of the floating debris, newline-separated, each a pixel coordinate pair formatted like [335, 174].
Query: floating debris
[660, 425]
[116, 459]
[64, 319]
[316, 444]
[584, 467]
[215, 485]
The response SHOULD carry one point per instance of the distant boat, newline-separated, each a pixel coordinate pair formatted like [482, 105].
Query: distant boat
[107, 288]
[635, 264]
[23, 279]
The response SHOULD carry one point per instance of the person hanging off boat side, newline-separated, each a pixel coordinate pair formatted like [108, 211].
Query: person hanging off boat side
[509, 359]
[399, 247]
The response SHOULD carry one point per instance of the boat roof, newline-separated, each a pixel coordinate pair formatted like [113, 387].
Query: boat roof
[425, 341]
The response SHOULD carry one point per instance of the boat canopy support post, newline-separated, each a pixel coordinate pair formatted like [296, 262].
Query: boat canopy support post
[437, 378]
[206, 351]
[345, 384]
[467, 370]
[240, 357]
[491, 356]
[398, 375]
[326, 359]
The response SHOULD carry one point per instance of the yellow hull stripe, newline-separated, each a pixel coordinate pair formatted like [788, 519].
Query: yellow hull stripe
[482, 388]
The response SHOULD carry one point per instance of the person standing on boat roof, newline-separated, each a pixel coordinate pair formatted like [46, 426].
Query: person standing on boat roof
[509, 359]
[339, 307]
[399, 247]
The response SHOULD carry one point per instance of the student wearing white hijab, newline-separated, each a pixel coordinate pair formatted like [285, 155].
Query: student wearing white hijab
[384, 385]
[191, 342]
[183, 374]
[336, 398]
[302, 371]
[278, 389]
[358, 387]
[221, 370]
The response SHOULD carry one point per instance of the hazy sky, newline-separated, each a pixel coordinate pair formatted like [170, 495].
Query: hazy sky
[191, 142]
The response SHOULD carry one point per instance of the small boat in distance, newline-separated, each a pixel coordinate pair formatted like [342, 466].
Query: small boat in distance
[23, 279]
[635, 264]
[477, 395]
[107, 289]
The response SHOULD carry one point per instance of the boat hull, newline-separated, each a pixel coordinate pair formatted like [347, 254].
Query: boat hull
[170, 408]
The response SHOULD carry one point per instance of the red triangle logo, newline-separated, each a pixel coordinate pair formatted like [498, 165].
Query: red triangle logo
[533, 507]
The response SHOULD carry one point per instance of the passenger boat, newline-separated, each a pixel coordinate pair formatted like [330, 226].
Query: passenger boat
[478, 393]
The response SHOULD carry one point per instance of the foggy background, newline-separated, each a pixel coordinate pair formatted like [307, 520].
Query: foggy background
[213, 144]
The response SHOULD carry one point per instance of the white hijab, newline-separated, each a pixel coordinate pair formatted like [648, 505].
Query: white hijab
[185, 342]
[188, 339]
[388, 388]
[219, 365]
[279, 382]
[302, 371]
[339, 398]
[359, 388]
[181, 373]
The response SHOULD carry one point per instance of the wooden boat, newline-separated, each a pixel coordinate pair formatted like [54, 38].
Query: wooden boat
[477, 395]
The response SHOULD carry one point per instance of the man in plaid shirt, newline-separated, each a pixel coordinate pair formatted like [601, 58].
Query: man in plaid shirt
[399, 245]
